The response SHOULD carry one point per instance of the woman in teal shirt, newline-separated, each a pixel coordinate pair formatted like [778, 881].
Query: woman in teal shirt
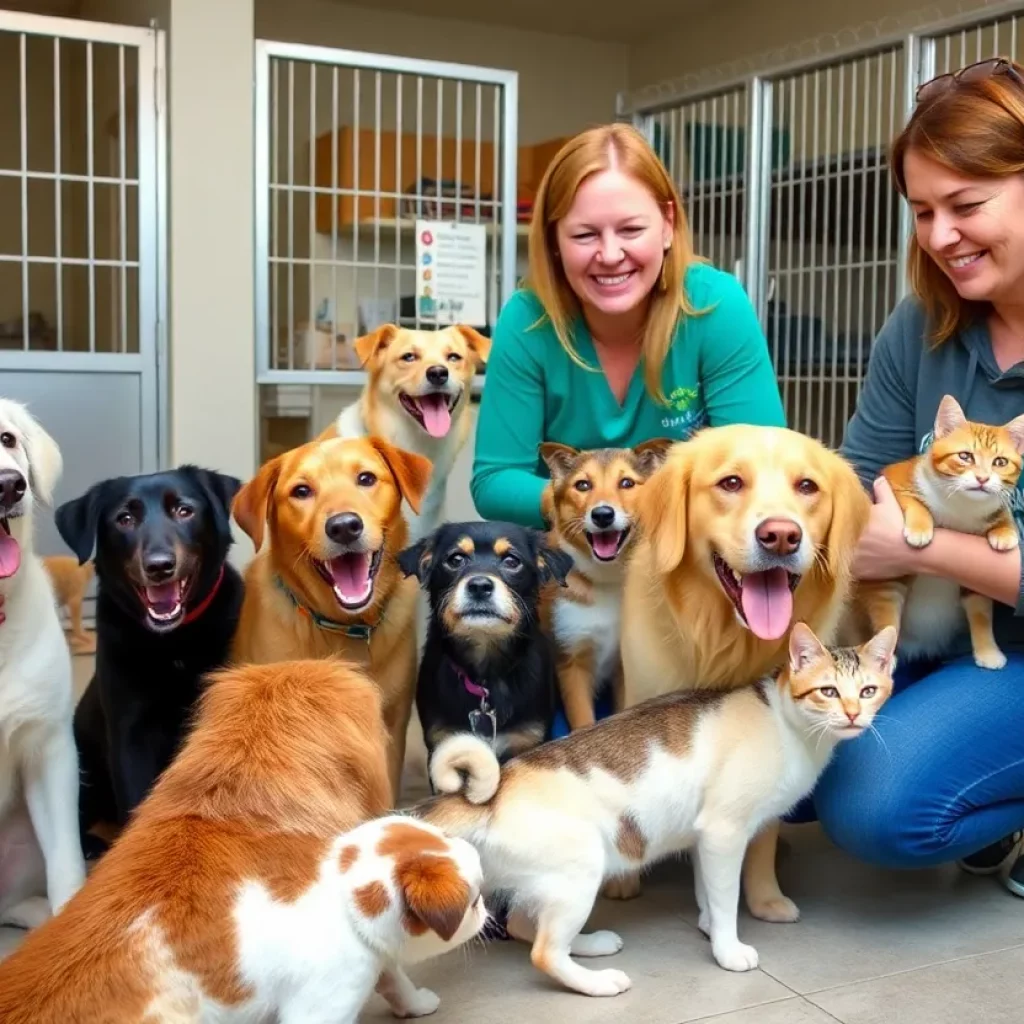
[621, 335]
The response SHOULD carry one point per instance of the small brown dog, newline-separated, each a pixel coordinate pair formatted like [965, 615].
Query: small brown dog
[328, 580]
[591, 505]
[70, 582]
[242, 860]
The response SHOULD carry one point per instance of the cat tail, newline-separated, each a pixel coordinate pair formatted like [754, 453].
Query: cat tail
[463, 763]
[466, 775]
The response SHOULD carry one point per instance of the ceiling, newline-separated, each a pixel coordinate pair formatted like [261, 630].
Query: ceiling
[607, 20]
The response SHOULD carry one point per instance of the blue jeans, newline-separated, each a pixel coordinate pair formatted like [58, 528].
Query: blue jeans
[943, 778]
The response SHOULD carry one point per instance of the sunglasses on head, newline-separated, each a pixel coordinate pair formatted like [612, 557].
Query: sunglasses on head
[972, 73]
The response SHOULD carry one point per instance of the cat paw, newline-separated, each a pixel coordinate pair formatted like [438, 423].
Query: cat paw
[780, 910]
[918, 538]
[605, 983]
[736, 957]
[994, 659]
[625, 887]
[421, 1003]
[704, 923]
[1003, 538]
[603, 943]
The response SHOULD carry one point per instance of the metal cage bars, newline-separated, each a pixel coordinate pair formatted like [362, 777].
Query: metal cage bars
[822, 232]
[335, 252]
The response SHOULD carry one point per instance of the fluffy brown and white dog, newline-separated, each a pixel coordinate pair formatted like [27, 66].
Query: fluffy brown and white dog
[417, 396]
[744, 531]
[253, 884]
[591, 505]
[41, 862]
[328, 580]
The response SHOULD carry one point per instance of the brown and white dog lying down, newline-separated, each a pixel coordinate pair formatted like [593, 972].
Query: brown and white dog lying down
[327, 581]
[417, 396]
[745, 530]
[253, 882]
[591, 505]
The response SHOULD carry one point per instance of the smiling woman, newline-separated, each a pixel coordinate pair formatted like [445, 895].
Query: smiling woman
[952, 728]
[620, 335]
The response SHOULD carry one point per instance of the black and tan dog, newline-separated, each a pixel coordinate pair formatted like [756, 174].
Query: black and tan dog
[488, 667]
[167, 607]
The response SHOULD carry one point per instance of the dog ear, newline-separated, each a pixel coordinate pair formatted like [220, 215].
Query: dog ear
[249, 506]
[77, 521]
[559, 458]
[220, 490]
[434, 891]
[662, 511]
[651, 455]
[370, 345]
[410, 470]
[45, 462]
[417, 559]
[851, 509]
[479, 345]
[554, 563]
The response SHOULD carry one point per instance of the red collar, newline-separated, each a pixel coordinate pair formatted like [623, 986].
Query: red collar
[206, 601]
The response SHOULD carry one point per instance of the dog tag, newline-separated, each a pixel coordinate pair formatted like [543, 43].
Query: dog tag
[484, 724]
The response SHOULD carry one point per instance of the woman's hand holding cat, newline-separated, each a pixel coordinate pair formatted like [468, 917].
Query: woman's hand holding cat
[883, 552]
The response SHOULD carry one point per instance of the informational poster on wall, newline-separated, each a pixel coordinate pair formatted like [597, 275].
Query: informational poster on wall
[451, 272]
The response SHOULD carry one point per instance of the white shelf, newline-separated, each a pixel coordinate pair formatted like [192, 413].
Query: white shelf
[407, 225]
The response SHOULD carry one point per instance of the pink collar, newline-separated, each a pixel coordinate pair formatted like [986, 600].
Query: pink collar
[471, 687]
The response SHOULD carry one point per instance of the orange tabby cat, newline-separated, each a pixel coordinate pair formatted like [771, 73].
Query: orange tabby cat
[963, 482]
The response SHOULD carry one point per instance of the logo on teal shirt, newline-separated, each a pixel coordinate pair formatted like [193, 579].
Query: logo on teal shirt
[687, 412]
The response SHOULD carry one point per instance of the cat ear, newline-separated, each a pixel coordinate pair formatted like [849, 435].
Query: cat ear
[1015, 428]
[949, 417]
[804, 648]
[880, 650]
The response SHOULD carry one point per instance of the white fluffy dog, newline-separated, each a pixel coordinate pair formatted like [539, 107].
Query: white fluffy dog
[40, 848]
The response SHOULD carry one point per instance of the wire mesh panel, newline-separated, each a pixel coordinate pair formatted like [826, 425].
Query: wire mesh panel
[952, 50]
[703, 143]
[69, 189]
[833, 232]
[352, 150]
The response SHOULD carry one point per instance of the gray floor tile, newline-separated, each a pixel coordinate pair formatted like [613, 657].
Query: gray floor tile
[861, 922]
[788, 1011]
[986, 989]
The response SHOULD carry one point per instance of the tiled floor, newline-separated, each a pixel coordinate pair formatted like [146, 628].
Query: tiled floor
[872, 947]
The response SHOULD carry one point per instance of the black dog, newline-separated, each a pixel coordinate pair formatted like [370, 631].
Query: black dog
[166, 611]
[487, 666]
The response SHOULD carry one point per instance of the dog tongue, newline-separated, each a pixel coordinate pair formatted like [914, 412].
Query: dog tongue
[10, 554]
[606, 544]
[767, 602]
[351, 576]
[436, 417]
[163, 597]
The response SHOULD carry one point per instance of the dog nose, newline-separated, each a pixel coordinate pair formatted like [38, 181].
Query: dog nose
[480, 587]
[603, 516]
[12, 488]
[437, 375]
[344, 527]
[779, 536]
[159, 567]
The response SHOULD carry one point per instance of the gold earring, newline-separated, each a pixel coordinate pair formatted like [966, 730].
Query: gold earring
[663, 278]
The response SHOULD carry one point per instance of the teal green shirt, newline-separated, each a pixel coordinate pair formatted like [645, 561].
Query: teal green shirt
[717, 371]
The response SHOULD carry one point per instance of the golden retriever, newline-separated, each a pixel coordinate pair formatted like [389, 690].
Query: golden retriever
[417, 397]
[328, 581]
[744, 531]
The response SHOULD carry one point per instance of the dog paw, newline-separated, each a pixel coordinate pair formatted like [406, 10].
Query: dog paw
[29, 914]
[602, 943]
[422, 1003]
[606, 983]
[625, 887]
[993, 659]
[918, 538]
[780, 910]
[736, 957]
[1003, 538]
